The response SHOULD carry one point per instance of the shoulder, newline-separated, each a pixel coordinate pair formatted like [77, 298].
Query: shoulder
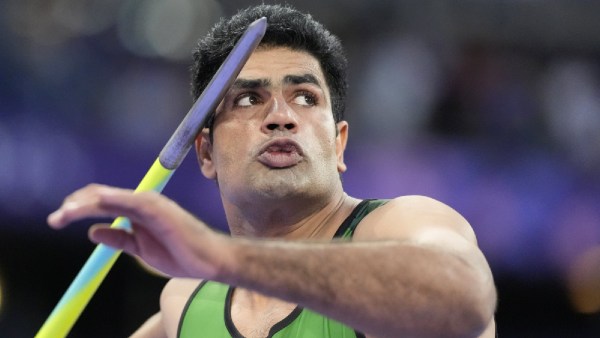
[410, 217]
[178, 286]
[173, 300]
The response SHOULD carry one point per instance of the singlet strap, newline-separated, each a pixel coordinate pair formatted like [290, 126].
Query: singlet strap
[346, 230]
[187, 306]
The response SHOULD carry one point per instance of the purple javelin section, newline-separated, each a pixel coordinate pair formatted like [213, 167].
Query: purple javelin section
[181, 141]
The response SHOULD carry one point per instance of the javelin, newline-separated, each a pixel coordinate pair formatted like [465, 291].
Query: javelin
[81, 290]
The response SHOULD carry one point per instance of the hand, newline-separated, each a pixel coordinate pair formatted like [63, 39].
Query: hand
[163, 234]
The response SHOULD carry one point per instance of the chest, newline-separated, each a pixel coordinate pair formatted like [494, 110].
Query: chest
[257, 321]
[212, 313]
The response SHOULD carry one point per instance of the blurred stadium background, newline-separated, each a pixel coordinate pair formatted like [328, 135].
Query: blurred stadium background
[490, 106]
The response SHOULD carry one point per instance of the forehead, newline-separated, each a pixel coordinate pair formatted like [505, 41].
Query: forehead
[276, 63]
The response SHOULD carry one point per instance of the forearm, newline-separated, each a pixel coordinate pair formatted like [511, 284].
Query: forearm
[385, 288]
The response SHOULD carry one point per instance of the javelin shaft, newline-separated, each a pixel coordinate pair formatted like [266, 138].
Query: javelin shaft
[93, 272]
[85, 284]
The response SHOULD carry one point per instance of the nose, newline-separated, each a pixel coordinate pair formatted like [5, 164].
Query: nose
[279, 117]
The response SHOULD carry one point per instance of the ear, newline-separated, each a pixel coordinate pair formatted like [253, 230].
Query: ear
[204, 154]
[340, 144]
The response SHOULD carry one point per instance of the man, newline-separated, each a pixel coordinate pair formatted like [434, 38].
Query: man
[407, 267]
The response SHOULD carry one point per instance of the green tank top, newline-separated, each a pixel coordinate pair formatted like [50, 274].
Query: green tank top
[208, 313]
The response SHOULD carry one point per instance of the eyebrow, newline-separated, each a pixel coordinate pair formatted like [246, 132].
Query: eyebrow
[264, 83]
[250, 84]
[300, 79]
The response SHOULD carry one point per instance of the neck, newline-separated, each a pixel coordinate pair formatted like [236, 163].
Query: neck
[290, 219]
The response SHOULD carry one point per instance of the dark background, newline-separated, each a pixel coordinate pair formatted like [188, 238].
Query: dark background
[493, 107]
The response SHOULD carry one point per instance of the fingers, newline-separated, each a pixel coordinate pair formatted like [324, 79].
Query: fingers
[115, 238]
[98, 201]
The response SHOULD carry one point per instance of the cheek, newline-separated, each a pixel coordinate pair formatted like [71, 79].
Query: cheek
[326, 142]
[232, 147]
[222, 153]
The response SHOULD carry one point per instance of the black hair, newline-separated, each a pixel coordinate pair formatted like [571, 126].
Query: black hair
[286, 27]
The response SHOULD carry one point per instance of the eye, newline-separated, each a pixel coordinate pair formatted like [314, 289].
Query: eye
[247, 100]
[305, 99]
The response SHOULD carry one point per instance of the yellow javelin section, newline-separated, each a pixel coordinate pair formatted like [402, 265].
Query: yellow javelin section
[156, 178]
[83, 287]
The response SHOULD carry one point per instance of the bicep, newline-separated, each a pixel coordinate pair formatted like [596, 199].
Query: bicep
[419, 220]
[426, 223]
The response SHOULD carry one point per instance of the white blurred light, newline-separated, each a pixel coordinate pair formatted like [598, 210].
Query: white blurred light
[166, 29]
[50, 23]
[571, 100]
[130, 28]
[30, 20]
[85, 17]
[168, 26]
[403, 78]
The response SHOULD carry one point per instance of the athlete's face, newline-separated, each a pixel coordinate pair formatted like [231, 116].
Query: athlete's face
[274, 133]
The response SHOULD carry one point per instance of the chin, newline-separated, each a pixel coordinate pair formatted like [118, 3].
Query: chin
[286, 184]
[280, 191]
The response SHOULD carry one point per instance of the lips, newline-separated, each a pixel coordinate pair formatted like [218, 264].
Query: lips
[283, 153]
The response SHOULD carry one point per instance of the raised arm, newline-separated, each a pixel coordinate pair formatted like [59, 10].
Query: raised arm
[413, 268]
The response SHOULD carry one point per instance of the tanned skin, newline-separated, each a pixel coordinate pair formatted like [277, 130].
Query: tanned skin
[412, 269]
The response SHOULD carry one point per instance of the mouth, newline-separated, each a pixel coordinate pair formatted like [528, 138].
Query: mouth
[280, 154]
